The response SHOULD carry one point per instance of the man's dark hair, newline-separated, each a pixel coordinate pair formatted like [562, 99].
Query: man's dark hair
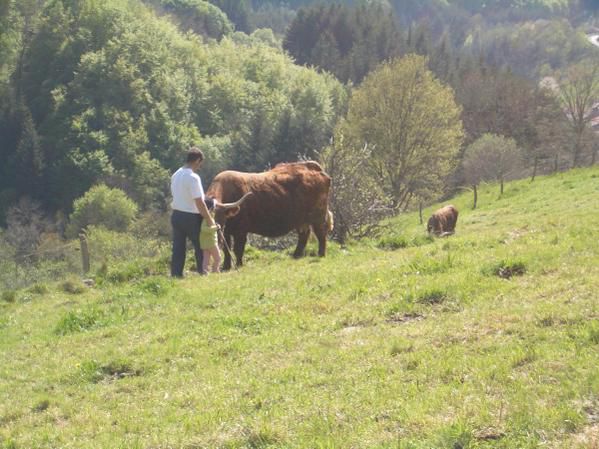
[193, 154]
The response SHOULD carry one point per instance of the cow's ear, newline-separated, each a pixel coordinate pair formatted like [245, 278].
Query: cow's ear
[232, 212]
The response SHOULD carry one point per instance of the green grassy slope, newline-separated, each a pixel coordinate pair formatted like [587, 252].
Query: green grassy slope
[418, 347]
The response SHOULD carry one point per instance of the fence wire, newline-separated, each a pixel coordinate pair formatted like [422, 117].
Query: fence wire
[61, 260]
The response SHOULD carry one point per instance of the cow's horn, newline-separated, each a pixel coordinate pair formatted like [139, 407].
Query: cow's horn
[236, 203]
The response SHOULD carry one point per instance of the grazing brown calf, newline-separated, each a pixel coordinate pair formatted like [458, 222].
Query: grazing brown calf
[289, 197]
[443, 221]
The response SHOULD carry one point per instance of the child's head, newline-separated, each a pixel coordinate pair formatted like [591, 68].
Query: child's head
[210, 203]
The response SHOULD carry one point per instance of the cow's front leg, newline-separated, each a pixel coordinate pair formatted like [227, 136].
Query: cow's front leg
[227, 259]
[302, 240]
[239, 247]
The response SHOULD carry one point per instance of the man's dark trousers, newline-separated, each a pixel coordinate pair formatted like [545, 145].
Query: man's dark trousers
[185, 226]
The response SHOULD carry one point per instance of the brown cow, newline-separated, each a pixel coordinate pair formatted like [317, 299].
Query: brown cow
[289, 197]
[443, 221]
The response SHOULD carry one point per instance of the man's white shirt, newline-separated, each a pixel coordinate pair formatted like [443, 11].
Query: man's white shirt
[186, 186]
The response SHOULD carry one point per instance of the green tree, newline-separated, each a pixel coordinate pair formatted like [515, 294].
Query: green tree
[531, 48]
[200, 16]
[412, 124]
[274, 17]
[271, 110]
[578, 93]
[491, 158]
[549, 133]
[29, 161]
[357, 200]
[500, 102]
[102, 206]
[8, 41]
[348, 41]
[237, 11]
[25, 224]
[115, 94]
[129, 94]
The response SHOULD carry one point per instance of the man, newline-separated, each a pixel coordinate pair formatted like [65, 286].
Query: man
[189, 207]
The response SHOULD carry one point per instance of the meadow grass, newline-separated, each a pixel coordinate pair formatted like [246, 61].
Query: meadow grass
[400, 341]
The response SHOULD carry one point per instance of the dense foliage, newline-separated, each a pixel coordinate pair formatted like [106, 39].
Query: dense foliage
[346, 41]
[411, 122]
[110, 92]
[103, 206]
[399, 142]
[491, 158]
[199, 16]
[113, 92]
[532, 48]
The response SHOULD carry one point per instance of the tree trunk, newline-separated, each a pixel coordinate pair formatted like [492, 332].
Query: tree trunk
[84, 253]
[475, 196]
[341, 232]
[501, 186]
[534, 169]
[577, 151]
[420, 211]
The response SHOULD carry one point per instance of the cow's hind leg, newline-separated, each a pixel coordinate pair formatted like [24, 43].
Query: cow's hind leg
[302, 240]
[321, 234]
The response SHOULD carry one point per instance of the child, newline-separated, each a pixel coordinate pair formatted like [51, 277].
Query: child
[209, 245]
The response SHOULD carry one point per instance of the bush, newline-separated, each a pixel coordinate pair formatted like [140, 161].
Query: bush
[79, 321]
[433, 296]
[153, 225]
[506, 269]
[398, 242]
[401, 346]
[594, 333]
[156, 286]
[73, 286]
[107, 248]
[9, 296]
[135, 270]
[392, 243]
[39, 289]
[41, 405]
[103, 206]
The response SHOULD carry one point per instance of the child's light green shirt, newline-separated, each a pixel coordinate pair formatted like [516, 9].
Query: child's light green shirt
[208, 237]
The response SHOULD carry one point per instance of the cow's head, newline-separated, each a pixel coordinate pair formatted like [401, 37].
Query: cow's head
[224, 211]
[432, 225]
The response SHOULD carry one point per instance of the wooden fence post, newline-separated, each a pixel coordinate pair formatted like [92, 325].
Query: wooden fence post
[84, 253]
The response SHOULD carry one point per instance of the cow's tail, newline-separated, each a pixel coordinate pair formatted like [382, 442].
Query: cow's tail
[329, 220]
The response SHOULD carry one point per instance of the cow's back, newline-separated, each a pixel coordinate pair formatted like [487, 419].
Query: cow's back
[450, 214]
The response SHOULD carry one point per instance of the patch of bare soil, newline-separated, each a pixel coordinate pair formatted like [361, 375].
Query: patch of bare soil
[405, 318]
[488, 434]
[588, 438]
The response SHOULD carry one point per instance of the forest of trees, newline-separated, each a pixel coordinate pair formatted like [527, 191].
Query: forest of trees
[113, 92]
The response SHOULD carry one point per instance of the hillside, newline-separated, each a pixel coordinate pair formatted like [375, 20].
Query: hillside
[487, 339]
[114, 92]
